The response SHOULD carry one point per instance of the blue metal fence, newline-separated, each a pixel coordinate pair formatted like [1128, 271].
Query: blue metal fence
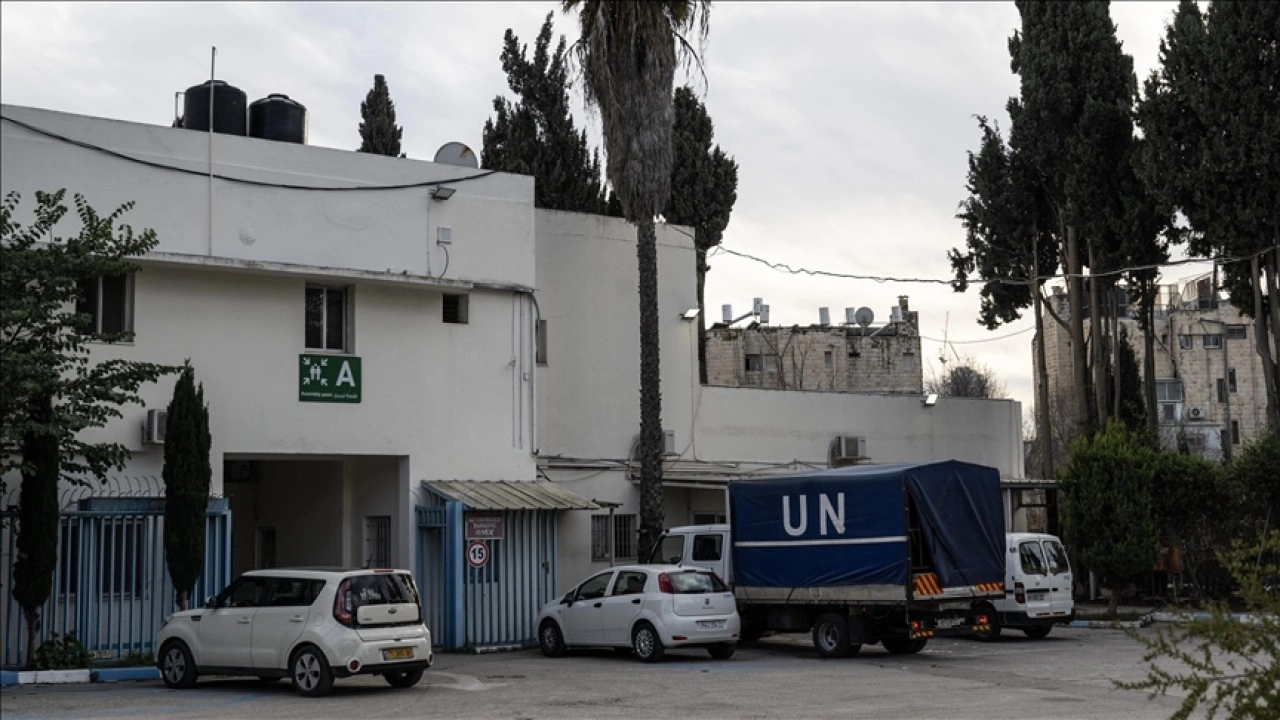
[495, 605]
[111, 586]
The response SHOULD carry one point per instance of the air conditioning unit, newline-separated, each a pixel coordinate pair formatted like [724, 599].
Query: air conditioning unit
[669, 442]
[850, 448]
[1195, 414]
[153, 429]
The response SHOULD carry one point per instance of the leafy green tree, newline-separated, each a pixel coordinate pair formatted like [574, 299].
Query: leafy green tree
[1110, 523]
[1219, 662]
[1197, 509]
[187, 474]
[379, 133]
[50, 392]
[628, 52]
[1255, 472]
[536, 134]
[1211, 118]
[704, 188]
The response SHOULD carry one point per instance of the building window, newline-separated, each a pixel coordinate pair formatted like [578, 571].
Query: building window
[456, 309]
[1169, 397]
[541, 343]
[1231, 379]
[108, 301]
[1212, 342]
[1235, 432]
[757, 362]
[624, 537]
[828, 360]
[327, 310]
[1222, 390]
[1236, 332]
[1184, 342]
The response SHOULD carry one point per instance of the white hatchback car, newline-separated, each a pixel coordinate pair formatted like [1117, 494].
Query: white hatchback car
[644, 608]
[308, 624]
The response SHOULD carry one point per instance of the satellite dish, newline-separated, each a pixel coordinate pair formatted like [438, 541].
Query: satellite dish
[455, 153]
[864, 317]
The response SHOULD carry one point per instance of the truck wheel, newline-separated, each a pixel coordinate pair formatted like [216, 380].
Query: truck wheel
[1038, 632]
[904, 645]
[993, 625]
[831, 635]
[753, 631]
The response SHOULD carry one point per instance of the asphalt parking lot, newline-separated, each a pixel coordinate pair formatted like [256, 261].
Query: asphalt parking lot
[1067, 675]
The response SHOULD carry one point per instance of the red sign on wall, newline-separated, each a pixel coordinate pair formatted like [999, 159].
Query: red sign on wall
[483, 526]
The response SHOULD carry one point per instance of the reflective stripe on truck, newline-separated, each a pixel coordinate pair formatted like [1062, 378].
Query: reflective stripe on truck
[927, 586]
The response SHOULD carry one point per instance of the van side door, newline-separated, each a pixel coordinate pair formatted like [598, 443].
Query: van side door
[709, 550]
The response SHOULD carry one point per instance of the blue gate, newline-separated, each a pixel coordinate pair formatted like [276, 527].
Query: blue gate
[111, 586]
[495, 605]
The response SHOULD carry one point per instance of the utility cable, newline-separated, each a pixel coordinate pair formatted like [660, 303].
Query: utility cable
[243, 181]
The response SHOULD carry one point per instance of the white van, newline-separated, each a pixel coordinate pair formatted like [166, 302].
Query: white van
[1037, 587]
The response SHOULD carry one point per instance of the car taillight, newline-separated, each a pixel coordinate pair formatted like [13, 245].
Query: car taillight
[342, 610]
[1019, 593]
[664, 584]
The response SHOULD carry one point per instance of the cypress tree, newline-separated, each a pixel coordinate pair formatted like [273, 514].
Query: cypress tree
[536, 134]
[379, 133]
[187, 474]
[37, 522]
[704, 188]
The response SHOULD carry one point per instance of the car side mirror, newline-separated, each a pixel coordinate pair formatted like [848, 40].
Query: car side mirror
[567, 599]
[211, 601]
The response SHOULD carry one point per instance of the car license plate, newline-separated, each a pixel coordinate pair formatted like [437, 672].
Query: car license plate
[949, 622]
[711, 624]
[398, 654]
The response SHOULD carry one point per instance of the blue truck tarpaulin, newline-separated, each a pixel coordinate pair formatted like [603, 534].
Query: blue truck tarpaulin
[848, 526]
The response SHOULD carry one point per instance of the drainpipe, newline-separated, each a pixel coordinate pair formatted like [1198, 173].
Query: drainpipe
[213, 62]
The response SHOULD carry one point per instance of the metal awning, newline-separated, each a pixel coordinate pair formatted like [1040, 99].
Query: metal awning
[509, 495]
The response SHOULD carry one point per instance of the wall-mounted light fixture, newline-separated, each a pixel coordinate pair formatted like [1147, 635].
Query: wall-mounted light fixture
[691, 314]
[931, 399]
[441, 192]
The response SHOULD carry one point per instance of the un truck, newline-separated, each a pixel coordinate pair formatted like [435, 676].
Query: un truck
[889, 554]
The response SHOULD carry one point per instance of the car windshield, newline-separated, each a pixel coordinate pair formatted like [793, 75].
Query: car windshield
[691, 582]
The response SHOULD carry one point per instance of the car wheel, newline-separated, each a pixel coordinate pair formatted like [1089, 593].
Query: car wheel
[404, 678]
[310, 672]
[646, 643]
[831, 635]
[177, 667]
[722, 651]
[550, 639]
[993, 624]
[1038, 632]
[904, 645]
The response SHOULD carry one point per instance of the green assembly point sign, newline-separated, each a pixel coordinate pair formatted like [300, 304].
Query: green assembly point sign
[329, 378]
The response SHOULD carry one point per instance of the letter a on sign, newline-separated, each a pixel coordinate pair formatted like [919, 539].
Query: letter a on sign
[344, 376]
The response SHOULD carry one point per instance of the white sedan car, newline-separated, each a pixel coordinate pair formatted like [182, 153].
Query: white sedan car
[644, 608]
[310, 625]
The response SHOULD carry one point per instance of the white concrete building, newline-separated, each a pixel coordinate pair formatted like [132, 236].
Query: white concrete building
[465, 345]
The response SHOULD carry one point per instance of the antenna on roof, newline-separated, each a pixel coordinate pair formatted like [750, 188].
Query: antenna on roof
[455, 153]
[864, 317]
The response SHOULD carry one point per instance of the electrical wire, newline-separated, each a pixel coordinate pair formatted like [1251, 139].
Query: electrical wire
[1001, 281]
[983, 340]
[243, 181]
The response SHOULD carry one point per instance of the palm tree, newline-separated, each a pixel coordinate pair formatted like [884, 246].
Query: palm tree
[628, 53]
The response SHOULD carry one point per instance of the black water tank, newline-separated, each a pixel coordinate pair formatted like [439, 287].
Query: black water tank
[276, 117]
[228, 108]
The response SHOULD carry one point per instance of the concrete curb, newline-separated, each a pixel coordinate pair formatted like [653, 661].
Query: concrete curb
[1141, 622]
[104, 675]
[1246, 618]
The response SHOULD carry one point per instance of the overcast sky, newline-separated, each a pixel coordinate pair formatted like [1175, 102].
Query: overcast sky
[849, 121]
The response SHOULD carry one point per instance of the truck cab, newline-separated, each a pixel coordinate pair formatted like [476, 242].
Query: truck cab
[1038, 584]
[704, 546]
